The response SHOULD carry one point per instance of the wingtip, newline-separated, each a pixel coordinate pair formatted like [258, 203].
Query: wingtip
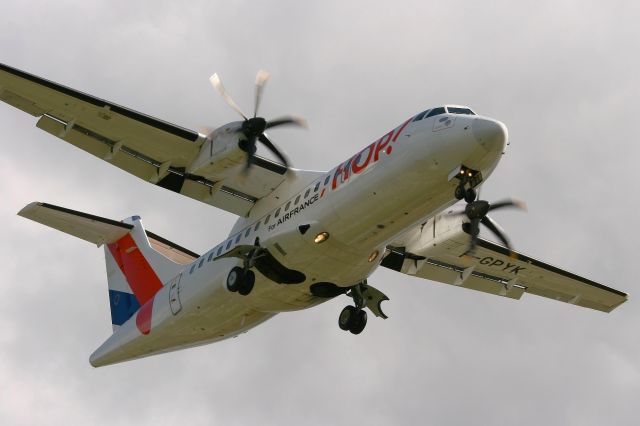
[24, 212]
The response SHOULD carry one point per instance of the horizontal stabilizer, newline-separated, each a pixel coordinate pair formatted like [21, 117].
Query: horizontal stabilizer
[95, 229]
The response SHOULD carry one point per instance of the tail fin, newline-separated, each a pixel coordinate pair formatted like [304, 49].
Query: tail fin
[138, 262]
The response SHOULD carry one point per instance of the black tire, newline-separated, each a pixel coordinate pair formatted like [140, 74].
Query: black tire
[359, 323]
[460, 192]
[235, 279]
[470, 195]
[346, 317]
[247, 283]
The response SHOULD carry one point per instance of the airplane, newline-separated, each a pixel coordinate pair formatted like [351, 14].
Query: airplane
[302, 237]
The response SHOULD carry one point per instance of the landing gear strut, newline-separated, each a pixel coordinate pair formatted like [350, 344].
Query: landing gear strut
[354, 318]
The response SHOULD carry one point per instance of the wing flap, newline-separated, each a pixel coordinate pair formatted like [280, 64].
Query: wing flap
[458, 276]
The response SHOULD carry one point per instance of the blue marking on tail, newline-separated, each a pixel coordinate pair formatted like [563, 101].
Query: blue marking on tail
[123, 306]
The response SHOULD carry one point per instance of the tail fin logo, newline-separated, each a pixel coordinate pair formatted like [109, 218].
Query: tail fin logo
[142, 279]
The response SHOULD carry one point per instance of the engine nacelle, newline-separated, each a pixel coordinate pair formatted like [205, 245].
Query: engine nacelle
[442, 230]
[220, 155]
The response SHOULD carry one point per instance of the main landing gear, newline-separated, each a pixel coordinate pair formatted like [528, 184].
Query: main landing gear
[354, 318]
[241, 281]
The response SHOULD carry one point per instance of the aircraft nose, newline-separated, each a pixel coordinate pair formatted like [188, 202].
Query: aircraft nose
[491, 134]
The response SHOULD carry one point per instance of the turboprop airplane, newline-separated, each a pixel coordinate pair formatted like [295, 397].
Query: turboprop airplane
[302, 237]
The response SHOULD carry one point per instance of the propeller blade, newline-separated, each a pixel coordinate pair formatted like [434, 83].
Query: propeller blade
[261, 80]
[251, 153]
[266, 142]
[297, 121]
[474, 230]
[497, 230]
[508, 203]
[217, 84]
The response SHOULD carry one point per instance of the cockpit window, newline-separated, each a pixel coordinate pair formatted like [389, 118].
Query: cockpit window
[436, 111]
[457, 110]
[420, 116]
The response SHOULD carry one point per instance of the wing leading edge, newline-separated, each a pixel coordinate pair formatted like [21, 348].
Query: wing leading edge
[151, 149]
[436, 251]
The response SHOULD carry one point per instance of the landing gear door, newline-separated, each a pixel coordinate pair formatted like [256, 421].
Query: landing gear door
[174, 295]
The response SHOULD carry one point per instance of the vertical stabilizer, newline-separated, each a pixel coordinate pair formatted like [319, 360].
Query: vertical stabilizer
[138, 262]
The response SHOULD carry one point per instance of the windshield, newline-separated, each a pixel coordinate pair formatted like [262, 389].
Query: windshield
[460, 110]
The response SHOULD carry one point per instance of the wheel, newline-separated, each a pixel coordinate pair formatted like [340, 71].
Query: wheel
[234, 279]
[470, 195]
[346, 317]
[459, 193]
[247, 283]
[360, 321]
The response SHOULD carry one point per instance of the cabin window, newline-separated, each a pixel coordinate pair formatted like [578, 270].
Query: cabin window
[210, 256]
[229, 244]
[193, 267]
[267, 219]
[297, 200]
[277, 212]
[326, 180]
[316, 187]
[246, 234]
[286, 208]
[238, 238]
[257, 226]
[219, 251]
[201, 262]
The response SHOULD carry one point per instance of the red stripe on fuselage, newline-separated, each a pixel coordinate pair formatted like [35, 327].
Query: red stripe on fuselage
[139, 274]
[401, 129]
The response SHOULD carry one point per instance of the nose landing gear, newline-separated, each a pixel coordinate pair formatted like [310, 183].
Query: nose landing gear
[467, 176]
[469, 194]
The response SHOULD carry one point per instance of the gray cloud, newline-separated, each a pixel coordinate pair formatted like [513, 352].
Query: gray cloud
[562, 75]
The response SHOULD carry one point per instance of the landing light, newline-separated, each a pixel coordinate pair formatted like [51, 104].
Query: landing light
[321, 237]
[373, 256]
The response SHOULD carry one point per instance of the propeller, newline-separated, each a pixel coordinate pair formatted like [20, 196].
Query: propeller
[253, 128]
[477, 213]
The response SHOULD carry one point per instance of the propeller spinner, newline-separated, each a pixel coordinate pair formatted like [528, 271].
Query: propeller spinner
[477, 213]
[253, 128]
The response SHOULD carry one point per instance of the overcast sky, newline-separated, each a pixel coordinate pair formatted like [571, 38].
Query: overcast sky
[562, 75]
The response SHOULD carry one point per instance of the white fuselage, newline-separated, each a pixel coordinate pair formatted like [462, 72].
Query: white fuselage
[392, 185]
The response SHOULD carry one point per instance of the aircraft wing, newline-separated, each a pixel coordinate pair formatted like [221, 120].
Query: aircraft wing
[436, 251]
[149, 148]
